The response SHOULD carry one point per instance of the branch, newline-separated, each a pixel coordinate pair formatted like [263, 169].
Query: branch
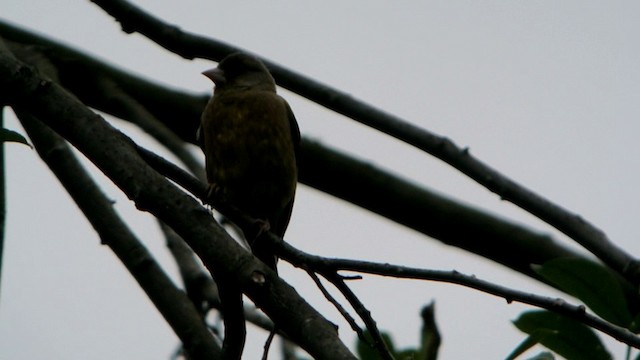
[190, 46]
[325, 265]
[425, 211]
[151, 192]
[200, 287]
[378, 342]
[169, 300]
[345, 314]
[79, 73]
[204, 293]
[132, 109]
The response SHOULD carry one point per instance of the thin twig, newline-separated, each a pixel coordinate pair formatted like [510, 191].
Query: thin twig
[577, 312]
[267, 345]
[345, 314]
[378, 342]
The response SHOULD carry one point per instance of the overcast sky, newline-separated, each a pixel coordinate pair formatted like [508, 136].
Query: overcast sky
[546, 92]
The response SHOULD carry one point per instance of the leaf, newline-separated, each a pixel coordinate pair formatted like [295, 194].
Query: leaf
[368, 352]
[409, 354]
[430, 335]
[7, 135]
[564, 336]
[528, 343]
[592, 283]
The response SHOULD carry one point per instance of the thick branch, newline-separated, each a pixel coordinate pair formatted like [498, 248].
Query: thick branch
[172, 303]
[427, 212]
[79, 73]
[151, 192]
[191, 46]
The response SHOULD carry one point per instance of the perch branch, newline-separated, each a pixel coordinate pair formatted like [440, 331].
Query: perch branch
[151, 192]
[169, 300]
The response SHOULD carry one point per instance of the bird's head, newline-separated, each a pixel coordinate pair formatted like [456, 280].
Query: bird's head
[240, 71]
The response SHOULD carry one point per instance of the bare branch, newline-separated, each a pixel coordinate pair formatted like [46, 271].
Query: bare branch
[170, 301]
[200, 287]
[345, 314]
[323, 265]
[378, 342]
[141, 116]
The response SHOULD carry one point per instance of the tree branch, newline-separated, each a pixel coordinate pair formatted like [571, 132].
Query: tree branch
[151, 192]
[345, 314]
[134, 19]
[133, 110]
[378, 342]
[169, 300]
[325, 265]
[79, 73]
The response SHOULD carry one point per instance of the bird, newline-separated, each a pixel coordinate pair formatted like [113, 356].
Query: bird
[251, 139]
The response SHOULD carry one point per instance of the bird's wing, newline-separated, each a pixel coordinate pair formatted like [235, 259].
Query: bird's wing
[295, 130]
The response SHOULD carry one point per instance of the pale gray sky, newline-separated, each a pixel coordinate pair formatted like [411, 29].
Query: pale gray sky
[547, 92]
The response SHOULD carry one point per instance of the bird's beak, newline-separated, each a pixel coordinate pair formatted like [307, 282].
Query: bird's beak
[216, 75]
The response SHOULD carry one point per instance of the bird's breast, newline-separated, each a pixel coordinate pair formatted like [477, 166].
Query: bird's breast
[249, 149]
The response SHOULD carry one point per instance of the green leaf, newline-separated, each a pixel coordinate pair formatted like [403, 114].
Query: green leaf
[7, 135]
[531, 341]
[367, 352]
[430, 338]
[564, 336]
[592, 283]
[408, 354]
